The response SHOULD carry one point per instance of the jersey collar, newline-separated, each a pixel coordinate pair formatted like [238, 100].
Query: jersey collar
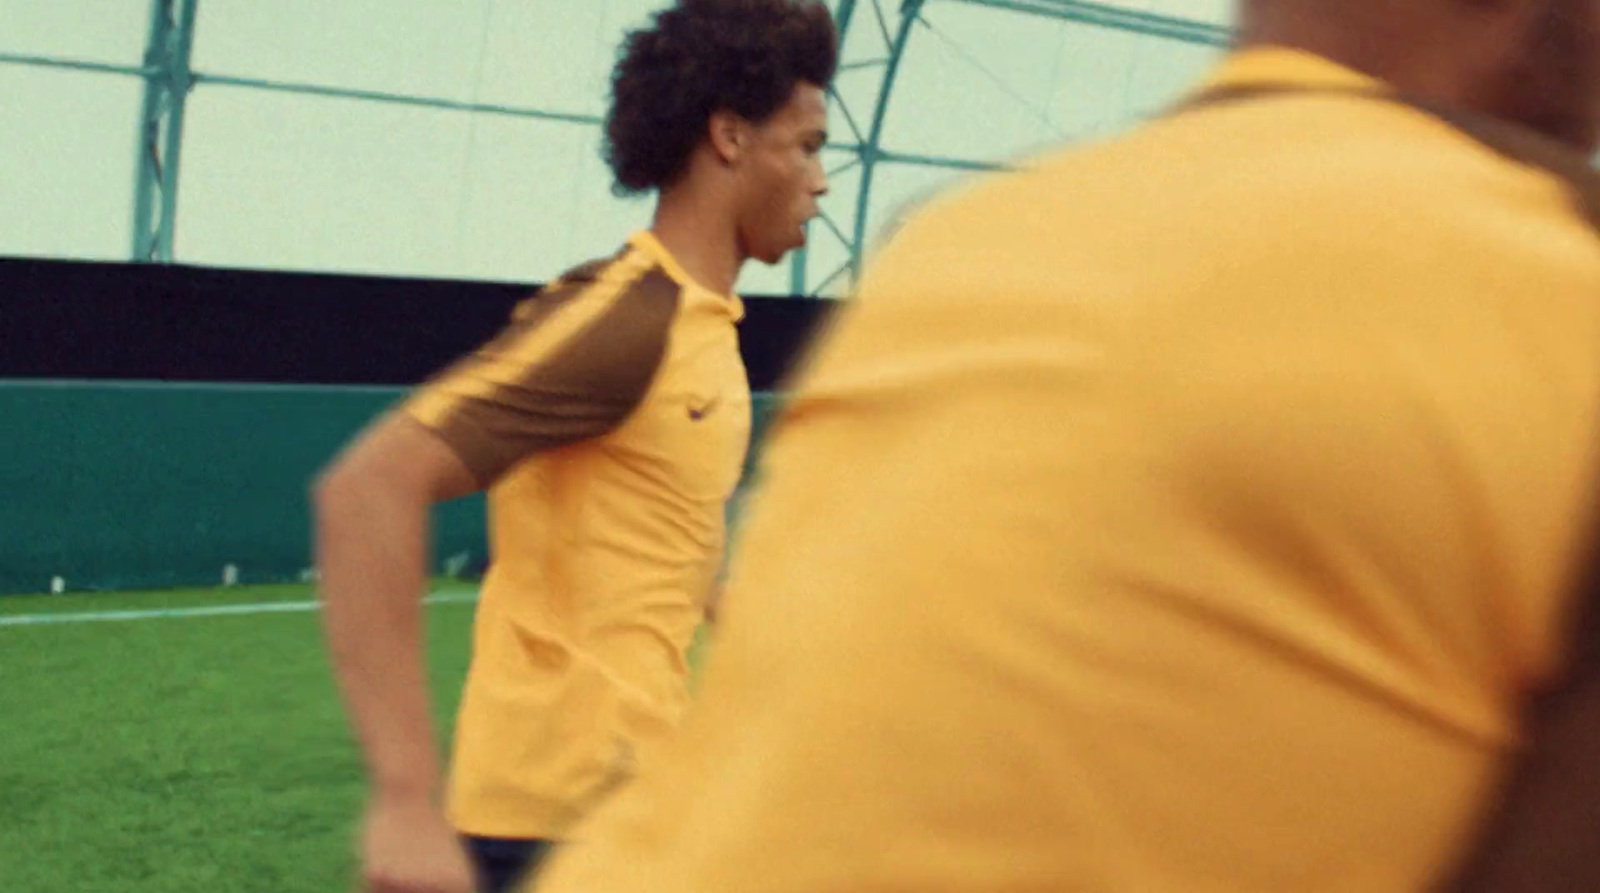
[1269, 70]
[645, 241]
[1285, 67]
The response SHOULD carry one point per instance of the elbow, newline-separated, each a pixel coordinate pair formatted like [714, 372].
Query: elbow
[333, 487]
[340, 496]
[350, 496]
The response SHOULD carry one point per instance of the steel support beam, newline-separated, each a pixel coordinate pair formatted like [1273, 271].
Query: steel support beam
[1119, 18]
[198, 78]
[867, 146]
[843, 15]
[799, 259]
[169, 79]
[886, 156]
[872, 147]
[160, 140]
[74, 65]
[430, 102]
[897, 34]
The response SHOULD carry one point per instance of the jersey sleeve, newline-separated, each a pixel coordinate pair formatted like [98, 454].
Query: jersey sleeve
[572, 365]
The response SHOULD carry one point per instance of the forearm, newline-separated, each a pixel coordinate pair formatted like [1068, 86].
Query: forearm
[372, 559]
[1541, 836]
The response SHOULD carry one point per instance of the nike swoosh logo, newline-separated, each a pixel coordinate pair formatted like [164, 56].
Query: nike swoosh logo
[697, 413]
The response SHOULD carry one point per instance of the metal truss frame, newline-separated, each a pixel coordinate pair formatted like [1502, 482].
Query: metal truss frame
[895, 29]
[169, 80]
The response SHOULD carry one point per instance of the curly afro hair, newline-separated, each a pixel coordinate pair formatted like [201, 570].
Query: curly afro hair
[702, 56]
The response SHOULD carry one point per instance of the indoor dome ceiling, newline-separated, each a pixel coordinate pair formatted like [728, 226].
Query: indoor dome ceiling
[457, 138]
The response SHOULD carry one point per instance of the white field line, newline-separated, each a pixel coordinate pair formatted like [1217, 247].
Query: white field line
[438, 598]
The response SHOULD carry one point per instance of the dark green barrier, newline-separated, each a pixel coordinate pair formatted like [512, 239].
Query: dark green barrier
[136, 486]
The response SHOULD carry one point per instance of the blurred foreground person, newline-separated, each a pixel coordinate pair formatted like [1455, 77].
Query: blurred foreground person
[1206, 511]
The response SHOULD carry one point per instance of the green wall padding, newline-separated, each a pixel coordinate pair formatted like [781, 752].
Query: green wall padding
[151, 486]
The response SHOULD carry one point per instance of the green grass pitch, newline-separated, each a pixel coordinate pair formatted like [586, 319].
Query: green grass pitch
[184, 754]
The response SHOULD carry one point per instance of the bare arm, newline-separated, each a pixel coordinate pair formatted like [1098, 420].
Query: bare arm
[1544, 836]
[571, 366]
[372, 508]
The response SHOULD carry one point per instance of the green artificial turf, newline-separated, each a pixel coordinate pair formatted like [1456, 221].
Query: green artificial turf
[184, 754]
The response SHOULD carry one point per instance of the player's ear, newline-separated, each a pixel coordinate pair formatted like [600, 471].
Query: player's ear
[726, 131]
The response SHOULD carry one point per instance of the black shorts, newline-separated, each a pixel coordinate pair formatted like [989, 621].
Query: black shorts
[501, 863]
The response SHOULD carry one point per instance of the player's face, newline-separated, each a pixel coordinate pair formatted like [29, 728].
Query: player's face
[784, 178]
[1557, 86]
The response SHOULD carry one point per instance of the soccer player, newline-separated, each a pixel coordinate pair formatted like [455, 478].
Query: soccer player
[609, 422]
[1197, 512]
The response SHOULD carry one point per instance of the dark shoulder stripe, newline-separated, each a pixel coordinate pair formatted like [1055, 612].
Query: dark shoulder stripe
[622, 349]
[585, 387]
[572, 284]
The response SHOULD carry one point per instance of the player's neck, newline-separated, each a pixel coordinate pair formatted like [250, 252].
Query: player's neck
[707, 250]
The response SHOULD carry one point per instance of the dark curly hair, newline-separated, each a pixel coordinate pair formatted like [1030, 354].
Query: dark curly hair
[702, 56]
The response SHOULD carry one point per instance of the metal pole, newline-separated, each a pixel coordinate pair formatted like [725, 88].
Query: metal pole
[797, 266]
[168, 49]
[870, 150]
[74, 65]
[146, 168]
[1104, 15]
[182, 83]
[431, 102]
[799, 260]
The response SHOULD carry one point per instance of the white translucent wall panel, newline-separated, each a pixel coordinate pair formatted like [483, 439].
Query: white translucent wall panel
[553, 54]
[66, 163]
[826, 251]
[295, 182]
[558, 54]
[861, 56]
[975, 84]
[287, 182]
[1219, 12]
[989, 84]
[433, 48]
[538, 201]
[1108, 81]
[276, 182]
[899, 190]
[760, 279]
[111, 31]
[300, 182]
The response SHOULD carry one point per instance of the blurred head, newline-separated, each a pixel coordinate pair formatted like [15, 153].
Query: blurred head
[1552, 82]
[726, 99]
[1533, 62]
